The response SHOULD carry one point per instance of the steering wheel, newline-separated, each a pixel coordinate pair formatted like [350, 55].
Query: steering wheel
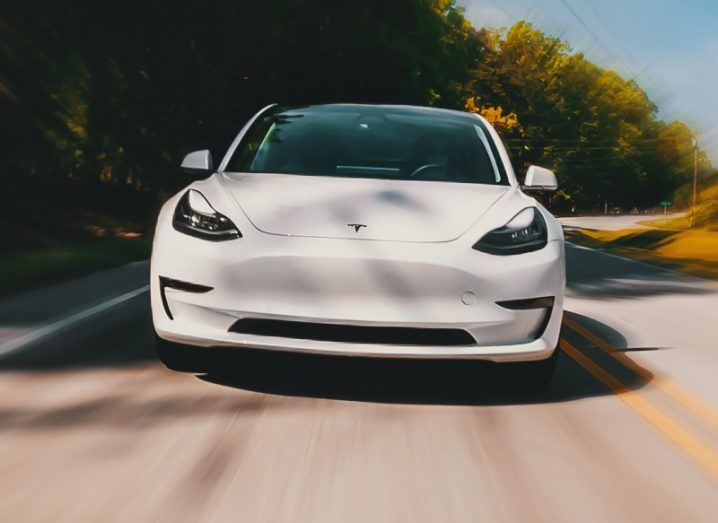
[430, 166]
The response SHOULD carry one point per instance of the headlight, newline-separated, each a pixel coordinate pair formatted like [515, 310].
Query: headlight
[196, 217]
[525, 232]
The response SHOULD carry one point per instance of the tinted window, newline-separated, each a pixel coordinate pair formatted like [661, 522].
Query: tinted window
[368, 142]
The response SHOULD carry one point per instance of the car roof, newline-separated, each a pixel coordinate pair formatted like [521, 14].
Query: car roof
[380, 109]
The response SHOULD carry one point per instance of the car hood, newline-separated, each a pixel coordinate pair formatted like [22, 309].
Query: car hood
[365, 209]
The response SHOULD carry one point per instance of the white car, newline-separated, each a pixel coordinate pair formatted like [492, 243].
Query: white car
[360, 230]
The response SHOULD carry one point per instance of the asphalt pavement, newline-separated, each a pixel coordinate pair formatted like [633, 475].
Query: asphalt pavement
[93, 428]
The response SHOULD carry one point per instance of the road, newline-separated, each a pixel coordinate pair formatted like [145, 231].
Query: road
[615, 222]
[92, 428]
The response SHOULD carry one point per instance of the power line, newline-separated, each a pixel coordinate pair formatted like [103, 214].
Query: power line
[503, 9]
[593, 143]
[579, 141]
[606, 26]
[593, 33]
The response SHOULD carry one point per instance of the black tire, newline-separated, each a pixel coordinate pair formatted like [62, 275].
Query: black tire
[179, 357]
[536, 374]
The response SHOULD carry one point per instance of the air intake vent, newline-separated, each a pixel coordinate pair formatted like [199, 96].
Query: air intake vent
[352, 333]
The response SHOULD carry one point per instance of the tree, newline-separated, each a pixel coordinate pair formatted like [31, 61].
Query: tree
[598, 130]
[97, 103]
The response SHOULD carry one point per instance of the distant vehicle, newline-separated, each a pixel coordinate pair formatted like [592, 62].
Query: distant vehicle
[361, 230]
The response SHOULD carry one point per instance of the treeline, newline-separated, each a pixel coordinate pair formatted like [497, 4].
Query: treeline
[598, 130]
[104, 99]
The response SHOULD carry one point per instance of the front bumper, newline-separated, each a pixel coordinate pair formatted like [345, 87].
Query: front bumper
[533, 351]
[358, 283]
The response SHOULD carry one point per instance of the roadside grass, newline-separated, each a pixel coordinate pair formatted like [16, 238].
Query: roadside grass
[24, 270]
[677, 224]
[693, 251]
[706, 213]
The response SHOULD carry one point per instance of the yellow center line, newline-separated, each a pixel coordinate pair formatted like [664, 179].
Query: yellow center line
[681, 396]
[697, 450]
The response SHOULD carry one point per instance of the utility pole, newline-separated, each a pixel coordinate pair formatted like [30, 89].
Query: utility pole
[695, 180]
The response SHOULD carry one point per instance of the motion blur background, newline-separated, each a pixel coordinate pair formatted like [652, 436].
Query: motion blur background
[99, 102]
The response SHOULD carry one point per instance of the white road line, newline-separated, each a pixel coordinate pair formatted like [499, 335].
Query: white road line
[13, 345]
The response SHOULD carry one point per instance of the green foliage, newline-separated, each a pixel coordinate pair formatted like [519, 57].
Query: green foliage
[117, 95]
[121, 96]
[27, 269]
[598, 130]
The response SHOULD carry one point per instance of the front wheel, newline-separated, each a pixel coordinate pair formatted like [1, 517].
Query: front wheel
[179, 357]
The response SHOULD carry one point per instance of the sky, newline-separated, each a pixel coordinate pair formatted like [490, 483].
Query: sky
[670, 47]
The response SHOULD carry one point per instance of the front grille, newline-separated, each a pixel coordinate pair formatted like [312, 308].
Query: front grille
[352, 333]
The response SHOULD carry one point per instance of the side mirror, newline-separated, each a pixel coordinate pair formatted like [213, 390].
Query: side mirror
[198, 162]
[540, 179]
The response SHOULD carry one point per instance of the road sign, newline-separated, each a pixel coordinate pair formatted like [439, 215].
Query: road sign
[667, 203]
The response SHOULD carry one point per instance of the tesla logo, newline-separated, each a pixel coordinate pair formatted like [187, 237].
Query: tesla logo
[356, 226]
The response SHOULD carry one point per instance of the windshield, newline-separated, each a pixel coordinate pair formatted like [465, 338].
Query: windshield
[369, 142]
